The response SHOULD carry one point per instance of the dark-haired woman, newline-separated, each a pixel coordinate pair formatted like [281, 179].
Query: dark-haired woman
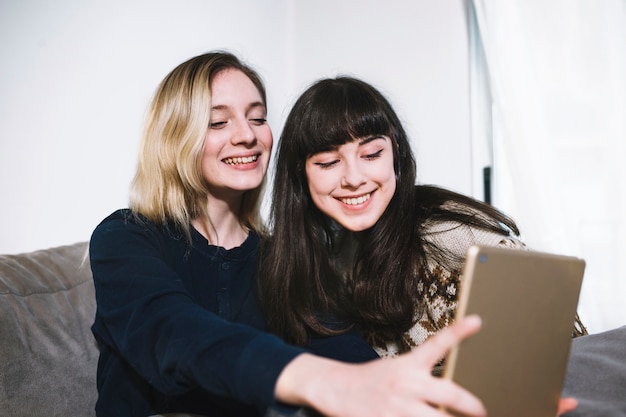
[354, 238]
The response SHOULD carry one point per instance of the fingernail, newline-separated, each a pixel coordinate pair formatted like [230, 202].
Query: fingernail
[475, 319]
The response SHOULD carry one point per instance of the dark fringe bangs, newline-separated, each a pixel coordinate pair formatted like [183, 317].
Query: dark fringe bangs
[340, 116]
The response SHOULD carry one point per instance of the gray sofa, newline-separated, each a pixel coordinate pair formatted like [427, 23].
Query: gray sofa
[48, 354]
[596, 374]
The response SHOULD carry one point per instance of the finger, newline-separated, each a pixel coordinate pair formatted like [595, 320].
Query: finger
[431, 351]
[566, 405]
[447, 394]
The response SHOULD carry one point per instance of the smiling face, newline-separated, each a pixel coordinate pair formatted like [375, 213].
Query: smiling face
[354, 182]
[239, 141]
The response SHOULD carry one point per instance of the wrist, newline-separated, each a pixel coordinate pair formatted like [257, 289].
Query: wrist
[305, 381]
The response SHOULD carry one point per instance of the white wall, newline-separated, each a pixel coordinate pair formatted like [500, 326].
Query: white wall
[77, 75]
[416, 52]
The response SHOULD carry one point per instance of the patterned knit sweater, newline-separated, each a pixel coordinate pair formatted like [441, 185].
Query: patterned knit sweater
[439, 289]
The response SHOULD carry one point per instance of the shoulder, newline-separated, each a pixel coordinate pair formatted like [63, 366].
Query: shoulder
[456, 237]
[452, 221]
[122, 220]
[121, 217]
[124, 228]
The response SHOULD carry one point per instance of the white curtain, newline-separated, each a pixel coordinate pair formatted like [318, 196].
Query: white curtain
[556, 83]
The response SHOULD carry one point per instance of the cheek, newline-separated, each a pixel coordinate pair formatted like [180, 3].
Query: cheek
[211, 147]
[310, 178]
[316, 188]
[320, 183]
[266, 136]
[384, 171]
[392, 189]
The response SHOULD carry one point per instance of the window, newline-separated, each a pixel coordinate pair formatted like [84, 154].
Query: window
[548, 114]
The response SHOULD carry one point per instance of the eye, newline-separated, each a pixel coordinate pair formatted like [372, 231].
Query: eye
[324, 160]
[374, 155]
[326, 165]
[217, 125]
[259, 121]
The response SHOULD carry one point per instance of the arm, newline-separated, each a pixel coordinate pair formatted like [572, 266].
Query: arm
[146, 315]
[395, 387]
[346, 347]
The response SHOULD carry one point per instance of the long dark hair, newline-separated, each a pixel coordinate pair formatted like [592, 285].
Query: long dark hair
[302, 289]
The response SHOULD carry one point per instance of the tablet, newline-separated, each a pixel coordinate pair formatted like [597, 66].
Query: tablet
[527, 301]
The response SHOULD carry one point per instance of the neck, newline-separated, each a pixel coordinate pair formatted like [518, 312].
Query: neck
[222, 227]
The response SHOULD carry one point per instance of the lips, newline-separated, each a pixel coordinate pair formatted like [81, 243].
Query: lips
[241, 160]
[353, 201]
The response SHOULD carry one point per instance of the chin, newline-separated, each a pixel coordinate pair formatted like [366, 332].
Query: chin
[249, 185]
[357, 227]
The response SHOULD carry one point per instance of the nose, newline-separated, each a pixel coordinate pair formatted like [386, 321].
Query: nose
[352, 175]
[243, 134]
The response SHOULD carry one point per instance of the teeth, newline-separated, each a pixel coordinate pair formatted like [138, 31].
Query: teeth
[239, 160]
[356, 200]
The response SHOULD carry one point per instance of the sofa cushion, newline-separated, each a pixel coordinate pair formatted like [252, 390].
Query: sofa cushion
[49, 356]
[596, 374]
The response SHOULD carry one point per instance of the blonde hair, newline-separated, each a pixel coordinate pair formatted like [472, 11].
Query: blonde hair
[168, 186]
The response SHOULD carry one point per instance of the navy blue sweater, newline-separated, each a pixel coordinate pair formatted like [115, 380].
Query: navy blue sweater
[180, 328]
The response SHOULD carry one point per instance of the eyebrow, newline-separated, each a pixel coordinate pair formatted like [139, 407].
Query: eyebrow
[372, 138]
[253, 105]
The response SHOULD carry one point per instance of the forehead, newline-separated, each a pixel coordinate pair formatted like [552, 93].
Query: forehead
[231, 87]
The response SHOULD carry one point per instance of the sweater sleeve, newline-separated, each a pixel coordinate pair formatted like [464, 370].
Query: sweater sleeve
[146, 315]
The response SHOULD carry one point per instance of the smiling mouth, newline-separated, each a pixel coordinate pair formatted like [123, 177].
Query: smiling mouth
[353, 201]
[241, 160]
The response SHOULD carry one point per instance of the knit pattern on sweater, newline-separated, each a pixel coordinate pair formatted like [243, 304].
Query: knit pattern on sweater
[439, 288]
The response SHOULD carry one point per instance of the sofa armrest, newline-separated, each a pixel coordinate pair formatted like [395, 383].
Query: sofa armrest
[49, 356]
[596, 374]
